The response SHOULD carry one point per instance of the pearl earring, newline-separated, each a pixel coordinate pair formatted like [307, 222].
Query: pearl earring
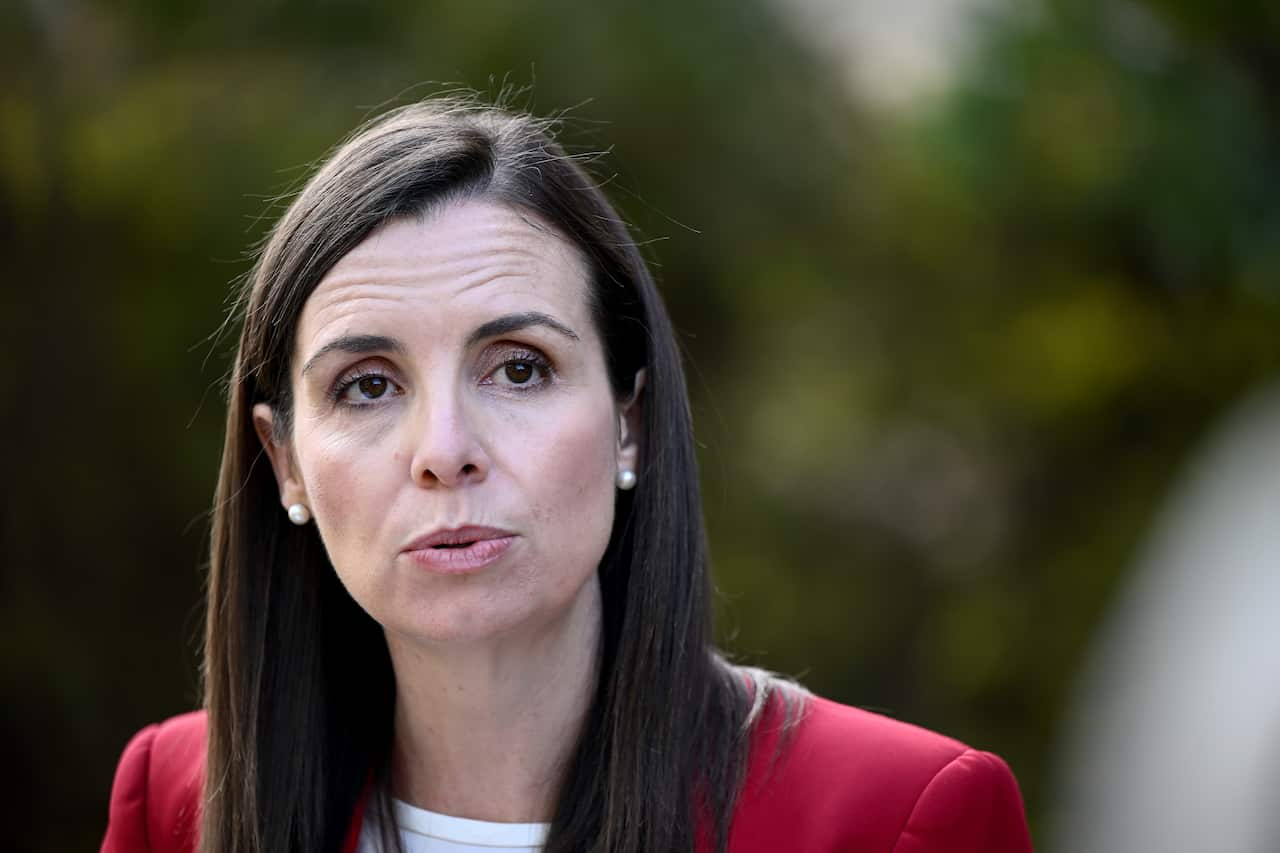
[299, 514]
[626, 479]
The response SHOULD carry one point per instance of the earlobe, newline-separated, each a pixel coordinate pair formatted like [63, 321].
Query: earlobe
[630, 426]
[282, 465]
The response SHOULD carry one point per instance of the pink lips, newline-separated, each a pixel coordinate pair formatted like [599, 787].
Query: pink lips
[463, 549]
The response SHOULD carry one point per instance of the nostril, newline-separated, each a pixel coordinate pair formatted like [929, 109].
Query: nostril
[429, 475]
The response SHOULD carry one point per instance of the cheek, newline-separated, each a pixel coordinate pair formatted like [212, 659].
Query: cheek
[568, 472]
[345, 481]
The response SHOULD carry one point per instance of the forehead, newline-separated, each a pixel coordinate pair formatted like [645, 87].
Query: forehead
[453, 267]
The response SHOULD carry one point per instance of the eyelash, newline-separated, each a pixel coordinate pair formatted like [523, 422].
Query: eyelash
[527, 356]
[349, 380]
[540, 362]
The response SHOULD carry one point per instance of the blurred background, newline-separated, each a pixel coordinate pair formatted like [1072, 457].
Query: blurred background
[981, 303]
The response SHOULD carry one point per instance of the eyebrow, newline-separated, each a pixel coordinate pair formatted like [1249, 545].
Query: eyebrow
[509, 323]
[504, 325]
[356, 345]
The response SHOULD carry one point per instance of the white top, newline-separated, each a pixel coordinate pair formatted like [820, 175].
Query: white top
[422, 831]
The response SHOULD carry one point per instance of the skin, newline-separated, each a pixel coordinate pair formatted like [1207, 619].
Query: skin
[519, 431]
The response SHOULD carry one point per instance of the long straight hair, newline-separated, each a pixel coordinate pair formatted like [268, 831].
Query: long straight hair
[298, 682]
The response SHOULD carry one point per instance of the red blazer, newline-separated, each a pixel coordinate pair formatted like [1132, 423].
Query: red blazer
[846, 780]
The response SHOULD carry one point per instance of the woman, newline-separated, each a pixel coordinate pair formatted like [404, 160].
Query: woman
[458, 592]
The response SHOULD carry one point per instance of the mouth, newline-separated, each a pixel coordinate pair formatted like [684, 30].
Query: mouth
[457, 537]
[459, 550]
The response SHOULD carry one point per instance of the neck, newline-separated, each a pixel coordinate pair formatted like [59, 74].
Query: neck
[486, 730]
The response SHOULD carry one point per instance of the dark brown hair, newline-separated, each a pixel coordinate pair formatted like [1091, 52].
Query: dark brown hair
[298, 682]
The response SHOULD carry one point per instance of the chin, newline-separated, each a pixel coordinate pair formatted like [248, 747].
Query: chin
[458, 621]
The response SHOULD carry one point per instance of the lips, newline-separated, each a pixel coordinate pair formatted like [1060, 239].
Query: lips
[460, 549]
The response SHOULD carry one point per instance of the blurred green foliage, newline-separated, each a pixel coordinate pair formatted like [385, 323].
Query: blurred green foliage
[945, 360]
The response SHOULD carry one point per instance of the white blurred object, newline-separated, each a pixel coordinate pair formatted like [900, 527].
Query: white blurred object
[893, 51]
[1175, 741]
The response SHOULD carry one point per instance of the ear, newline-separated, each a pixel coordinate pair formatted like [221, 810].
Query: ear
[290, 484]
[630, 425]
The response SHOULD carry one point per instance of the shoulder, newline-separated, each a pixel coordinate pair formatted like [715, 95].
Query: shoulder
[840, 778]
[159, 783]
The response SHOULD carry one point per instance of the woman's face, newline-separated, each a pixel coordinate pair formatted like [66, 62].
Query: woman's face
[447, 374]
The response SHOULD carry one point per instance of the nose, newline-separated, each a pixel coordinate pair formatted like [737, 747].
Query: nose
[448, 450]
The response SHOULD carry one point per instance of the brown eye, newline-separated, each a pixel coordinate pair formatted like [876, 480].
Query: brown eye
[367, 389]
[372, 387]
[518, 372]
